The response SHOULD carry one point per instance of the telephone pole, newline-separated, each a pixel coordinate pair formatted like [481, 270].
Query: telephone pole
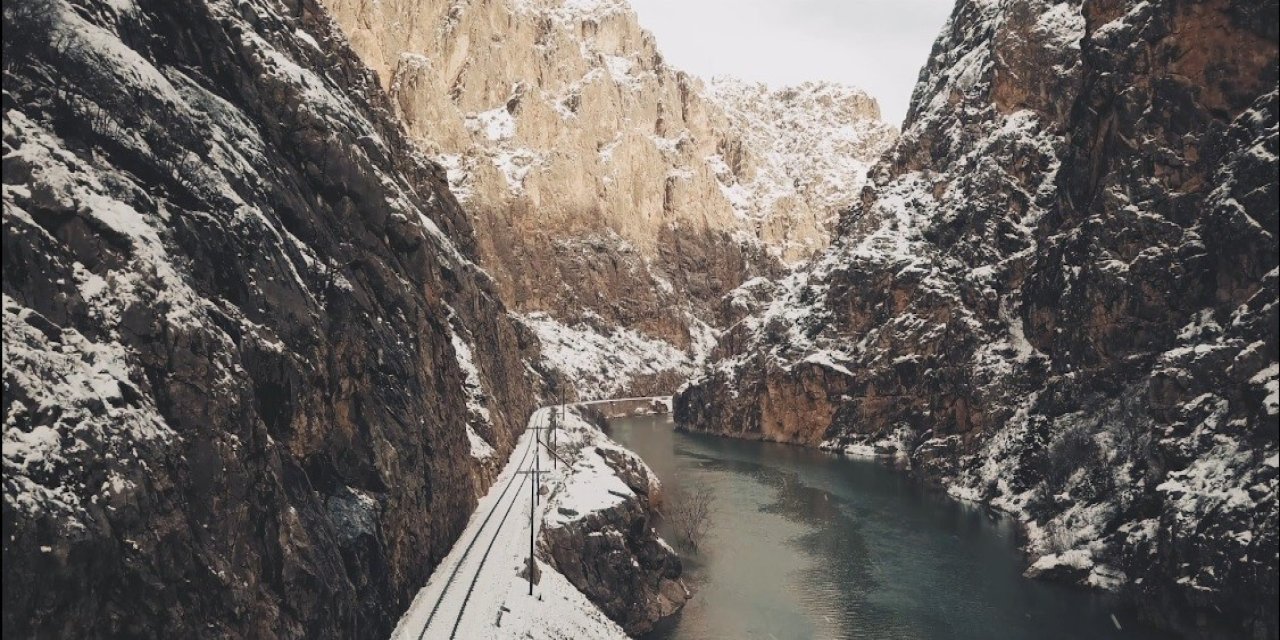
[537, 456]
[532, 502]
[552, 438]
[560, 397]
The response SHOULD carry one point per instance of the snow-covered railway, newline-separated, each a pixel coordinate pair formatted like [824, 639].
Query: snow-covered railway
[452, 587]
[480, 589]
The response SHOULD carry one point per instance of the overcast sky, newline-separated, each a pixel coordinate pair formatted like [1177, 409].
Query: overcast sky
[877, 45]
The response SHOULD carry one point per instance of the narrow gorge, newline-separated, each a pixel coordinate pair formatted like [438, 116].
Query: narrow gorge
[484, 319]
[615, 198]
[1058, 296]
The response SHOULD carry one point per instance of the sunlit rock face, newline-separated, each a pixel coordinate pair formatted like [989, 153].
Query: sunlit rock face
[607, 189]
[253, 378]
[1058, 294]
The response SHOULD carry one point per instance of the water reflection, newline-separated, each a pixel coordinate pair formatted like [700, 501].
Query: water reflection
[809, 545]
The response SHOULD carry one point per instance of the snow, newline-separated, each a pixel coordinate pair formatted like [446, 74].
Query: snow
[1064, 23]
[457, 172]
[556, 611]
[494, 124]
[1267, 379]
[592, 484]
[78, 380]
[480, 449]
[620, 70]
[604, 364]
[606, 151]
[1075, 559]
[306, 37]
[827, 359]
[473, 383]
[477, 592]
[514, 165]
[569, 13]
[472, 388]
[814, 143]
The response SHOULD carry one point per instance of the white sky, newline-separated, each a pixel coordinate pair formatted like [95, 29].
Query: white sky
[876, 45]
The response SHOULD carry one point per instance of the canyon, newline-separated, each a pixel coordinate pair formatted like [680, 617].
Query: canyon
[286, 281]
[615, 198]
[1057, 295]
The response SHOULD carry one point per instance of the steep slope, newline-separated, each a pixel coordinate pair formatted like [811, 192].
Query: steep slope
[1058, 294]
[254, 380]
[807, 147]
[609, 191]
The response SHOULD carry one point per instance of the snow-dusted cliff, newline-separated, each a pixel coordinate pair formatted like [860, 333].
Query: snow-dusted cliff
[609, 190]
[253, 377]
[806, 147]
[1058, 295]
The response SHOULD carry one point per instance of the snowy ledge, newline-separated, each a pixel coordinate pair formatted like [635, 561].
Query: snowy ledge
[499, 605]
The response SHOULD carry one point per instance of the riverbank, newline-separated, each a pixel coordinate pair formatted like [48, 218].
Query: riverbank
[809, 544]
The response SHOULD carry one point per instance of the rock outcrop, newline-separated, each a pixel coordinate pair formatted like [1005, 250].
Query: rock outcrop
[608, 190]
[1058, 294]
[598, 532]
[253, 376]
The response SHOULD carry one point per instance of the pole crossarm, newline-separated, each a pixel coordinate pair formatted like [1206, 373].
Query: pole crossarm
[553, 453]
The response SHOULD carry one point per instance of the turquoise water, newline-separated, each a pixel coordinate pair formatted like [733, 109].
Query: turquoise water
[806, 544]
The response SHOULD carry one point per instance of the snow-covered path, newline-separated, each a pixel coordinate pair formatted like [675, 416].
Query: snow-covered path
[478, 592]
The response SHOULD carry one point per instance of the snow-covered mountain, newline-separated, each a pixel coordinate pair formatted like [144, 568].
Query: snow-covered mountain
[1058, 295]
[609, 191]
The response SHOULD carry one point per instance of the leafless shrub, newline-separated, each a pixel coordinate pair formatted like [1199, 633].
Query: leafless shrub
[1071, 450]
[1130, 428]
[688, 512]
[1059, 538]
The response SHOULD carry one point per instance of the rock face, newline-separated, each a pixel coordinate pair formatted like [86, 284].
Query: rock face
[804, 149]
[1058, 294]
[599, 532]
[253, 377]
[607, 189]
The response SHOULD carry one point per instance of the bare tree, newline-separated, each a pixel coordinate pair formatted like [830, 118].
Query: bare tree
[689, 514]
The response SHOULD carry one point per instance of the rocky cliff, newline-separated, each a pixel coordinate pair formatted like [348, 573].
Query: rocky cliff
[598, 532]
[608, 190]
[1058, 295]
[253, 378]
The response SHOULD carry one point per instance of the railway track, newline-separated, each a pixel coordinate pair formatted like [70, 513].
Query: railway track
[510, 501]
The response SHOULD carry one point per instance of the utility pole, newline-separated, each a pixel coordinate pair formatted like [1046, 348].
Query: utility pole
[532, 502]
[553, 435]
[534, 496]
[560, 397]
[537, 455]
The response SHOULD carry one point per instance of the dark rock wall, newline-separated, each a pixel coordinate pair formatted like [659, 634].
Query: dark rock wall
[1059, 295]
[233, 406]
[614, 556]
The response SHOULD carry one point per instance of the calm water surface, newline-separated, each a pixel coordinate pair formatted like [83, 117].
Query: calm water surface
[806, 544]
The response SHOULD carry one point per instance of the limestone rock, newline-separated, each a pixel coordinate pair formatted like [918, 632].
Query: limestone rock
[606, 187]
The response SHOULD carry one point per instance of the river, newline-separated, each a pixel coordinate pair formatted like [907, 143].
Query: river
[806, 544]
